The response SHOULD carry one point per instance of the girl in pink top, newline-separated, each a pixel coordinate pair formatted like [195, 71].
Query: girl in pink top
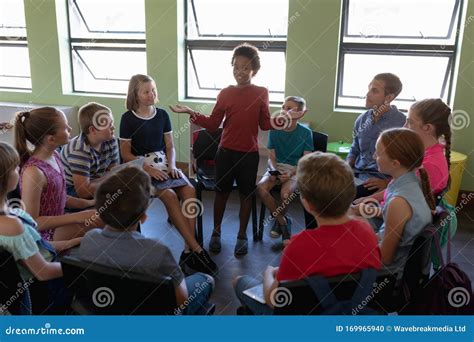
[42, 180]
[430, 119]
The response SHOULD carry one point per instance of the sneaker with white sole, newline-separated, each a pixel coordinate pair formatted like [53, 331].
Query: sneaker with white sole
[275, 232]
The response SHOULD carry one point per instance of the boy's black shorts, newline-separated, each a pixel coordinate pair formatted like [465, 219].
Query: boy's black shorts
[234, 165]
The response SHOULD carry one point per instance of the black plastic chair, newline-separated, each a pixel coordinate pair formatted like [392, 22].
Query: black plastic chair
[416, 272]
[320, 143]
[299, 298]
[100, 290]
[11, 284]
[204, 149]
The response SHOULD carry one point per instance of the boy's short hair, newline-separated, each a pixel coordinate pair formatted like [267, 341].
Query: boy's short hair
[298, 100]
[393, 85]
[122, 198]
[92, 114]
[326, 181]
[249, 51]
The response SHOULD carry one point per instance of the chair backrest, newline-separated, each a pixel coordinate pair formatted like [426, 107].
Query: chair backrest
[100, 290]
[417, 268]
[10, 283]
[299, 298]
[206, 144]
[320, 141]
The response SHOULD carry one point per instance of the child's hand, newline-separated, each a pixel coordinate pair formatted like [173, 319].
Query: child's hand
[284, 177]
[182, 109]
[155, 173]
[174, 173]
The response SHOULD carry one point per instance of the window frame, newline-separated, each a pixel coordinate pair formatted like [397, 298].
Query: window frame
[17, 41]
[104, 44]
[398, 49]
[225, 42]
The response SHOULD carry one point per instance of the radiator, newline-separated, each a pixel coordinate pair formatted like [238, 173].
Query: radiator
[7, 116]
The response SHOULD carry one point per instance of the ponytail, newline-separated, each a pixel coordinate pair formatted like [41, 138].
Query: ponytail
[33, 126]
[20, 139]
[426, 188]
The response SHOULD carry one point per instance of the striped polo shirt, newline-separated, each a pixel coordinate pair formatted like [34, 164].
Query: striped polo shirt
[79, 158]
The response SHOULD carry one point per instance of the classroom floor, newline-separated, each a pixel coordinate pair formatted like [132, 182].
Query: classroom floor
[268, 251]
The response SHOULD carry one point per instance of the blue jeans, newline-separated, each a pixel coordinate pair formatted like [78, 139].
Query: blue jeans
[200, 288]
[257, 308]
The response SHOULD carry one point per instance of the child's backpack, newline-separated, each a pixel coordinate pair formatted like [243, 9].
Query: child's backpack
[447, 292]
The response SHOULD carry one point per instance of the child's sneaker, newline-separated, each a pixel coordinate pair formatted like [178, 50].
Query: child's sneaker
[202, 262]
[241, 247]
[275, 232]
[215, 244]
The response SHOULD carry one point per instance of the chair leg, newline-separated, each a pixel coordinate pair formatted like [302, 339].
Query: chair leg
[199, 232]
[261, 220]
[256, 236]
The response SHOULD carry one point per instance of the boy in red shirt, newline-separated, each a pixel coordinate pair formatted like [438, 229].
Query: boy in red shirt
[340, 244]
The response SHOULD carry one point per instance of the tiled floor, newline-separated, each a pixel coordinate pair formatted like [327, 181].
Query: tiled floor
[266, 252]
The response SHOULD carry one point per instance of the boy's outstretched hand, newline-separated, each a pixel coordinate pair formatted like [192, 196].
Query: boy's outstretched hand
[182, 109]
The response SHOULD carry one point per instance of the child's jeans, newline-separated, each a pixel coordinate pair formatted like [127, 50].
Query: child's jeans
[200, 288]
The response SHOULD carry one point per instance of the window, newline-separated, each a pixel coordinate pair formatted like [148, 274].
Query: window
[414, 39]
[215, 28]
[107, 39]
[14, 58]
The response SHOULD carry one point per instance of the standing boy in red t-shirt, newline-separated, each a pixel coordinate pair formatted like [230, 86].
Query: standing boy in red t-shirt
[244, 108]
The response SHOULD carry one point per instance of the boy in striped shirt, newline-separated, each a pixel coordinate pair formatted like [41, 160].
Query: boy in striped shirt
[88, 156]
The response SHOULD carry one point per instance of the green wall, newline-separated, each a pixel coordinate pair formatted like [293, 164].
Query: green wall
[311, 67]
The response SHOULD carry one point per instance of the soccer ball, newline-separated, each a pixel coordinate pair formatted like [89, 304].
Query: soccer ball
[157, 160]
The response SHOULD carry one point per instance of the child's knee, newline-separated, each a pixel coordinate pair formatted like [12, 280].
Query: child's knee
[167, 195]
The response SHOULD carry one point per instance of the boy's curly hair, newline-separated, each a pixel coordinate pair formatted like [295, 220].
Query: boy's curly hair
[249, 51]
